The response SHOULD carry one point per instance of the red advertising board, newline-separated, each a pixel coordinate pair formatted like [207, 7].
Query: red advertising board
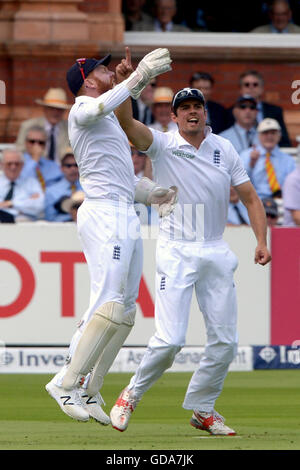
[285, 285]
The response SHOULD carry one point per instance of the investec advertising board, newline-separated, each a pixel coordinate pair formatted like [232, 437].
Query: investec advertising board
[50, 360]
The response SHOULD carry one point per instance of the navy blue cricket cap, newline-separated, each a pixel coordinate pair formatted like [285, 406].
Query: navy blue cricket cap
[187, 94]
[244, 99]
[81, 69]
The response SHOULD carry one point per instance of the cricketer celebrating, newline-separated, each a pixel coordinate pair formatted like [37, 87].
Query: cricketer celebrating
[113, 254]
[191, 253]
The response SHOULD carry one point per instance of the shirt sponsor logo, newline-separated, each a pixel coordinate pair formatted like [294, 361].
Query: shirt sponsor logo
[182, 154]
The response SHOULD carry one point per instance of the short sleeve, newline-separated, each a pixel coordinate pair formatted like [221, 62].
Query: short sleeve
[158, 144]
[238, 173]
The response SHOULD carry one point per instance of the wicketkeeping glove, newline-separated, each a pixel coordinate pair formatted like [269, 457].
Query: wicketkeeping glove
[153, 64]
[148, 192]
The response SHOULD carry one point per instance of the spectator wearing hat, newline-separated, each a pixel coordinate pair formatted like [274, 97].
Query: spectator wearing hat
[266, 165]
[21, 199]
[271, 209]
[70, 205]
[216, 113]
[36, 164]
[242, 134]
[237, 212]
[251, 83]
[54, 105]
[63, 189]
[291, 198]
[162, 110]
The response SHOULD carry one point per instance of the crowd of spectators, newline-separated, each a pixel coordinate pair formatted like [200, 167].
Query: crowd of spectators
[273, 16]
[40, 179]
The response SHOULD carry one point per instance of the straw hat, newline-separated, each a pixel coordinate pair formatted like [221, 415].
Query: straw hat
[75, 200]
[55, 98]
[163, 95]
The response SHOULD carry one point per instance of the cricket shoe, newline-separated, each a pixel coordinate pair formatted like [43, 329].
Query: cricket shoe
[212, 423]
[93, 406]
[122, 410]
[69, 401]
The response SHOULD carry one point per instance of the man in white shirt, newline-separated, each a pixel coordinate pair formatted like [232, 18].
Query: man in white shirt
[107, 223]
[21, 199]
[191, 253]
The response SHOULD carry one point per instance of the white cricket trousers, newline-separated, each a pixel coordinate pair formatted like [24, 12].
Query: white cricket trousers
[181, 266]
[109, 232]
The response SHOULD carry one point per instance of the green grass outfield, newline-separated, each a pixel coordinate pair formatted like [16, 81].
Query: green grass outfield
[262, 406]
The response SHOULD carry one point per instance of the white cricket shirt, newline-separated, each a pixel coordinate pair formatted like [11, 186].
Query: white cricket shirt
[203, 177]
[100, 146]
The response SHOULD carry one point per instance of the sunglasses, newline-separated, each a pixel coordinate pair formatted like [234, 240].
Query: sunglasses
[13, 163]
[188, 93]
[70, 165]
[80, 63]
[247, 106]
[36, 141]
[248, 84]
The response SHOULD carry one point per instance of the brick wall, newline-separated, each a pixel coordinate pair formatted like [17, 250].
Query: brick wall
[278, 79]
[96, 6]
[29, 79]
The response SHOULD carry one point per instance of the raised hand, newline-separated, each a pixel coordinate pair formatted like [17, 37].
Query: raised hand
[124, 68]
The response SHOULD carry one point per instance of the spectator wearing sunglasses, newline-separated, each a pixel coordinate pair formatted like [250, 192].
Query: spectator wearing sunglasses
[251, 83]
[36, 164]
[54, 106]
[62, 190]
[21, 199]
[242, 134]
